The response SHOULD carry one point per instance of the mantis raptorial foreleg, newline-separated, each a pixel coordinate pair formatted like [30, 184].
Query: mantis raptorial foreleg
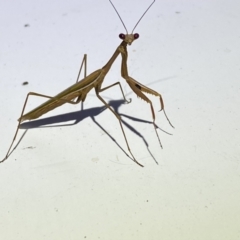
[139, 88]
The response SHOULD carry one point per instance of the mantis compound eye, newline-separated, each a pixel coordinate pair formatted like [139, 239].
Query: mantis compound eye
[122, 36]
[136, 35]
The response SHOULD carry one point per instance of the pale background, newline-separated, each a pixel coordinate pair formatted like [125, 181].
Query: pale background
[74, 182]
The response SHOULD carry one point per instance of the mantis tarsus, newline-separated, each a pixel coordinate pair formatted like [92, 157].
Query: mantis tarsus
[78, 91]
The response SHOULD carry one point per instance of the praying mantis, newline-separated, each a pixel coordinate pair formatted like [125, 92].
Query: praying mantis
[78, 92]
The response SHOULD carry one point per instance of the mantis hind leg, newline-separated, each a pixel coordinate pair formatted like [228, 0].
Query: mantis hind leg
[21, 119]
[83, 65]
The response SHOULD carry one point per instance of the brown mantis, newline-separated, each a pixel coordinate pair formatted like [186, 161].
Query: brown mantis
[78, 92]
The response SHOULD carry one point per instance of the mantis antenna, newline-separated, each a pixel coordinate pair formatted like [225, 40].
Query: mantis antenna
[137, 21]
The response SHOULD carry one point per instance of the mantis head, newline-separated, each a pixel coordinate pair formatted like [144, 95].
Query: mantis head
[129, 38]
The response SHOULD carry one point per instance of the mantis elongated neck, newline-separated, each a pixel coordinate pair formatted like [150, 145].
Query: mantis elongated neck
[114, 56]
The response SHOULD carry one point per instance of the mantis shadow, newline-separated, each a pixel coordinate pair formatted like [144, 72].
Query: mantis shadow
[80, 115]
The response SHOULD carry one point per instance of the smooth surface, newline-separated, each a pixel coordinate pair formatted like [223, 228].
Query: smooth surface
[75, 182]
